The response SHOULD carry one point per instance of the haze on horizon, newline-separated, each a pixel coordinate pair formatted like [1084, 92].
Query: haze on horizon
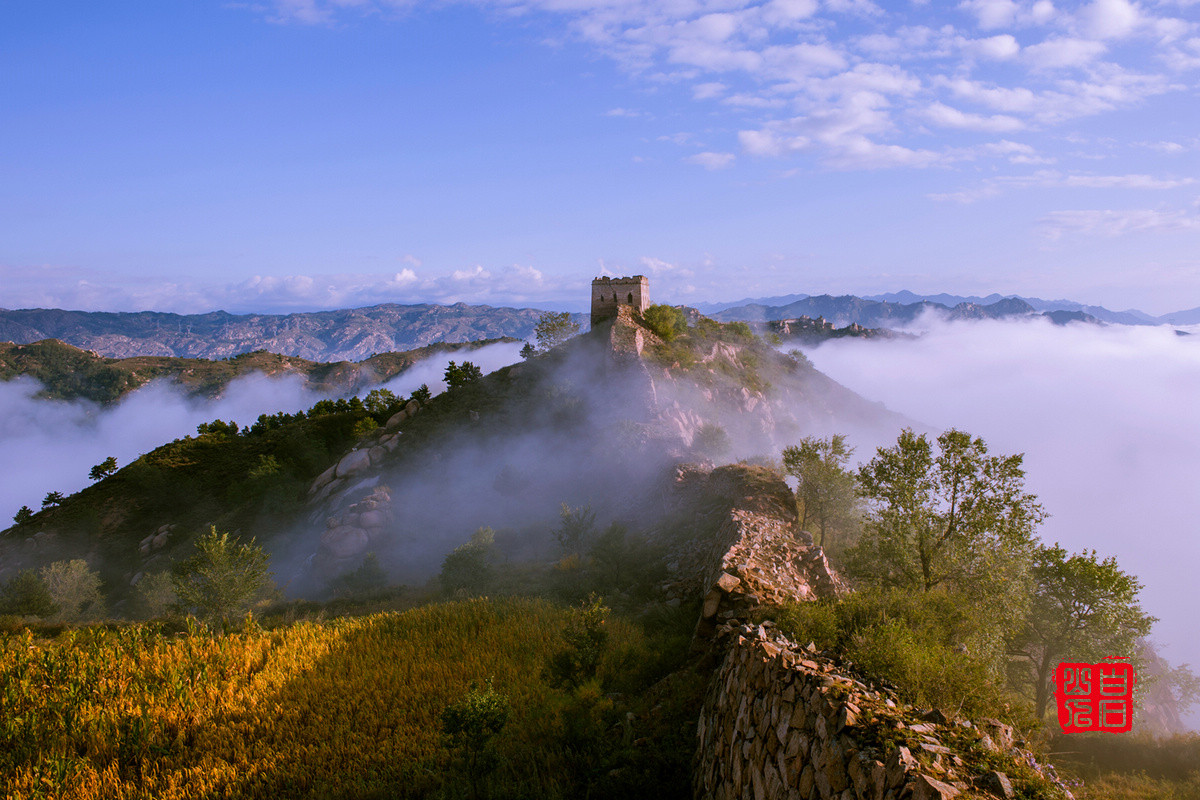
[303, 154]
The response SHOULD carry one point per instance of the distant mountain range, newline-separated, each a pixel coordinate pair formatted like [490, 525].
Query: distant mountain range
[345, 335]
[359, 333]
[904, 306]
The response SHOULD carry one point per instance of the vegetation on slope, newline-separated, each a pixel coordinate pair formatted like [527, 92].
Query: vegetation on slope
[67, 372]
[347, 708]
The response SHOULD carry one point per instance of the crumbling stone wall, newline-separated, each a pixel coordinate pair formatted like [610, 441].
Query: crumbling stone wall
[781, 722]
[753, 552]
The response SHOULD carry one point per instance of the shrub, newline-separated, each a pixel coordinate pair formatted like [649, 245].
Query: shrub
[367, 579]
[222, 578]
[666, 321]
[470, 725]
[75, 589]
[468, 569]
[587, 640]
[26, 595]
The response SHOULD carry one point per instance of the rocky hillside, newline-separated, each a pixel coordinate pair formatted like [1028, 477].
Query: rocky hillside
[596, 422]
[67, 372]
[344, 335]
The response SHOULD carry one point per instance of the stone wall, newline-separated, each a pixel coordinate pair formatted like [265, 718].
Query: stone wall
[749, 550]
[781, 722]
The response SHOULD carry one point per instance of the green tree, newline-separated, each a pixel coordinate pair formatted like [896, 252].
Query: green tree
[26, 595]
[827, 491]
[382, 403]
[575, 528]
[528, 351]
[105, 468]
[222, 578]
[52, 499]
[421, 394]
[368, 578]
[666, 321]
[468, 568]
[1082, 608]
[587, 638]
[469, 727]
[711, 441]
[554, 328]
[217, 428]
[75, 589]
[24, 514]
[457, 376]
[958, 518]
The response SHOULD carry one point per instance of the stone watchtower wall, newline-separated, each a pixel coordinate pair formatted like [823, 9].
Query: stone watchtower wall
[608, 294]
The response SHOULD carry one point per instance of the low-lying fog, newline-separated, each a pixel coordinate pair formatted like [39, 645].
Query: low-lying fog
[1108, 419]
[48, 446]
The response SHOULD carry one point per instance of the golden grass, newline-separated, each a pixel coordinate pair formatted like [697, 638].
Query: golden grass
[348, 708]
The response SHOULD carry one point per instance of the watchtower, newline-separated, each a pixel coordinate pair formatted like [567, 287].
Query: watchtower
[609, 293]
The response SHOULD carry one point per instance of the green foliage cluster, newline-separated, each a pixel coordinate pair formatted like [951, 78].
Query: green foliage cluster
[26, 595]
[586, 638]
[666, 321]
[467, 570]
[959, 604]
[927, 645]
[458, 376]
[60, 592]
[221, 579]
[470, 725]
[827, 491]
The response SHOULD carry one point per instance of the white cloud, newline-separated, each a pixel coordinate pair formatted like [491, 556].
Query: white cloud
[1058, 224]
[1109, 19]
[793, 82]
[992, 14]
[706, 91]
[994, 47]
[947, 117]
[48, 287]
[1063, 53]
[712, 161]
[1049, 179]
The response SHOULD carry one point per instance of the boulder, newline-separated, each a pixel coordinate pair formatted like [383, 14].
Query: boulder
[323, 479]
[345, 542]
[353, 462]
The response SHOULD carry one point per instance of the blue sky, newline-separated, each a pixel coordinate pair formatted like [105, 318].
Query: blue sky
[300, 154]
